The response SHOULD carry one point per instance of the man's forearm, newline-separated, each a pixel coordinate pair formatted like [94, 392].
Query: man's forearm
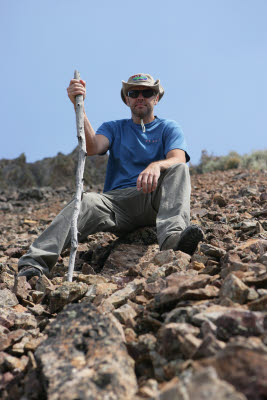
[167, 163]
[90, 137]
[94, 145]
[148, 179]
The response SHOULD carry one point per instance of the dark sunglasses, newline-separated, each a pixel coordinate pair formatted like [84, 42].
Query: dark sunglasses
[146, 93]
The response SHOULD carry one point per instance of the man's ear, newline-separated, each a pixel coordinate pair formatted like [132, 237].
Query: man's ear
[127, 100]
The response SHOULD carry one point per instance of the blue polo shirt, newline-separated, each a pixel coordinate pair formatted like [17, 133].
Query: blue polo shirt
[131, 150]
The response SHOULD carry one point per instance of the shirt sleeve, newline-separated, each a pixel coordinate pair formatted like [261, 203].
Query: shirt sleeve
[174, 139]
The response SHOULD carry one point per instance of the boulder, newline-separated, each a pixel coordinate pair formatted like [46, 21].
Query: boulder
[84, 357]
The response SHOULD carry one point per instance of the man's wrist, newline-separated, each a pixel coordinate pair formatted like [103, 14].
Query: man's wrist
[159, 164]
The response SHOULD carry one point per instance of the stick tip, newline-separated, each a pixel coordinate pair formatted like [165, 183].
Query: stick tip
[76, 74]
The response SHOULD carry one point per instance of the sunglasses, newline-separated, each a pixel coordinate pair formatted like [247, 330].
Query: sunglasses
[146, 93]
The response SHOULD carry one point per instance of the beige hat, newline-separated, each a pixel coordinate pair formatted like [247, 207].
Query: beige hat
[141, 80]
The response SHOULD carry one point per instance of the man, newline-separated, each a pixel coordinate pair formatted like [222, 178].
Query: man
[147, 180]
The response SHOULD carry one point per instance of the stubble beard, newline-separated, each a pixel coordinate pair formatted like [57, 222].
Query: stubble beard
[142, 113]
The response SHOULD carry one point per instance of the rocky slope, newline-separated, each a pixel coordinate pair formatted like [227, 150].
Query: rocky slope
[137, 323]
[58, 171]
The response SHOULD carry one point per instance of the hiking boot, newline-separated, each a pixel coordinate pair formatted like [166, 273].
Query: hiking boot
[185, 241]
[189, 239]
[30, 271]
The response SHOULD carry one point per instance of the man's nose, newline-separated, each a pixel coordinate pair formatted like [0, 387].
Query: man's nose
[140, 94]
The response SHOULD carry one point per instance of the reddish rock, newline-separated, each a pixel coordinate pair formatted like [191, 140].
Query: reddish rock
[235, 289]
[259, 281]
[163, 257]
[22, 287]
[13, 364]
[171, 390]
[220, 200]
[7, 298]
[205, 385]
[178, 285]
[37, 296]
[208, 347]
[213, 251]
[7, 278]
[141, 349]
[208, 292]
[124, 257]
[68, 292]
[151, 289]
[149, 389]
[5, 379]
[198, 266]
[232, 262]
[182, 260]
[244, 369]
[91, 279]
[130, 291]
[10, 338]
[125, 314]
[84, 353]
[14, 252]
[257, 246]
[240, 322]
[43, 284]
[259, 304]
[178, 339]
[87, 269]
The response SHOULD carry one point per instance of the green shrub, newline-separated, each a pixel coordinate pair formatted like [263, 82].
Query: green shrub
[209, 162]
[255, 160]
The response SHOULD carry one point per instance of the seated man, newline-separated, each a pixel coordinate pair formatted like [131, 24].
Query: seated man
[147, 180]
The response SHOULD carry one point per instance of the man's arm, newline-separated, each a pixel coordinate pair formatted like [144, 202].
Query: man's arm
[148, 179]
[95, 144]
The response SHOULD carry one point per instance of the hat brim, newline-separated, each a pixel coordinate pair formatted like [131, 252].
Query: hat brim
[127, 86]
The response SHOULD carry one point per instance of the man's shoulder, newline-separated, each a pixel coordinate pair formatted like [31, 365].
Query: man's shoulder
[113, 129]
[117, 122]
[169, 123]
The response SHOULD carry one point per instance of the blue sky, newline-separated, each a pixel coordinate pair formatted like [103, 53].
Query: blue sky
[210, 55]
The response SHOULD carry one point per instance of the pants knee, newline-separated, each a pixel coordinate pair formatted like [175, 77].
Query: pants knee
[180, 167]
[90, 199]
[93, 205]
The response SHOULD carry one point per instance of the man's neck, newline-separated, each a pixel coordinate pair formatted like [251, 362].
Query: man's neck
[146, 120]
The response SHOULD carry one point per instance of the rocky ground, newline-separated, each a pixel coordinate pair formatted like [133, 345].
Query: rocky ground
[137, 323]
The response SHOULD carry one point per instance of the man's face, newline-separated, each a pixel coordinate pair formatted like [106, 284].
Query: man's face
[142, 107]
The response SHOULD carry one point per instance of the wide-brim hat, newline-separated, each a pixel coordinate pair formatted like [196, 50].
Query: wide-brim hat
[141, 80]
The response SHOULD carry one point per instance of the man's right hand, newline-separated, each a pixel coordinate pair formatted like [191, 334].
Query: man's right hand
[76, 87]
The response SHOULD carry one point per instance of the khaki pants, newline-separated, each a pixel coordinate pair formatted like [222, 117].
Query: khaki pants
[118, 211]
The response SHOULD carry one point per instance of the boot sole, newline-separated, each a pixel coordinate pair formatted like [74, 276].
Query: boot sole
[189, 239]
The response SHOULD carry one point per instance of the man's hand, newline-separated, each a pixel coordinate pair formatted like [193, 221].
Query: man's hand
[76, 87]
[148, 179]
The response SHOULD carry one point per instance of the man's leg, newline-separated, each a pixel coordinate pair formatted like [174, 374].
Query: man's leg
[172, 200]
[95, 215]
[132, 208]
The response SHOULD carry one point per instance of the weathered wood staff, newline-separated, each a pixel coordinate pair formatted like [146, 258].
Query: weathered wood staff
[79, 178]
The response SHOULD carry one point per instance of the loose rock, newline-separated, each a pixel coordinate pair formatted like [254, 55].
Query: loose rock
[84, 353]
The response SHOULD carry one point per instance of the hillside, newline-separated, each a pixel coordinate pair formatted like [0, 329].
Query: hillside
[58, 171]
[137, 323]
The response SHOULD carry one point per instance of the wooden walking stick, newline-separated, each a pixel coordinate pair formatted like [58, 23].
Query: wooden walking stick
[79, 178]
